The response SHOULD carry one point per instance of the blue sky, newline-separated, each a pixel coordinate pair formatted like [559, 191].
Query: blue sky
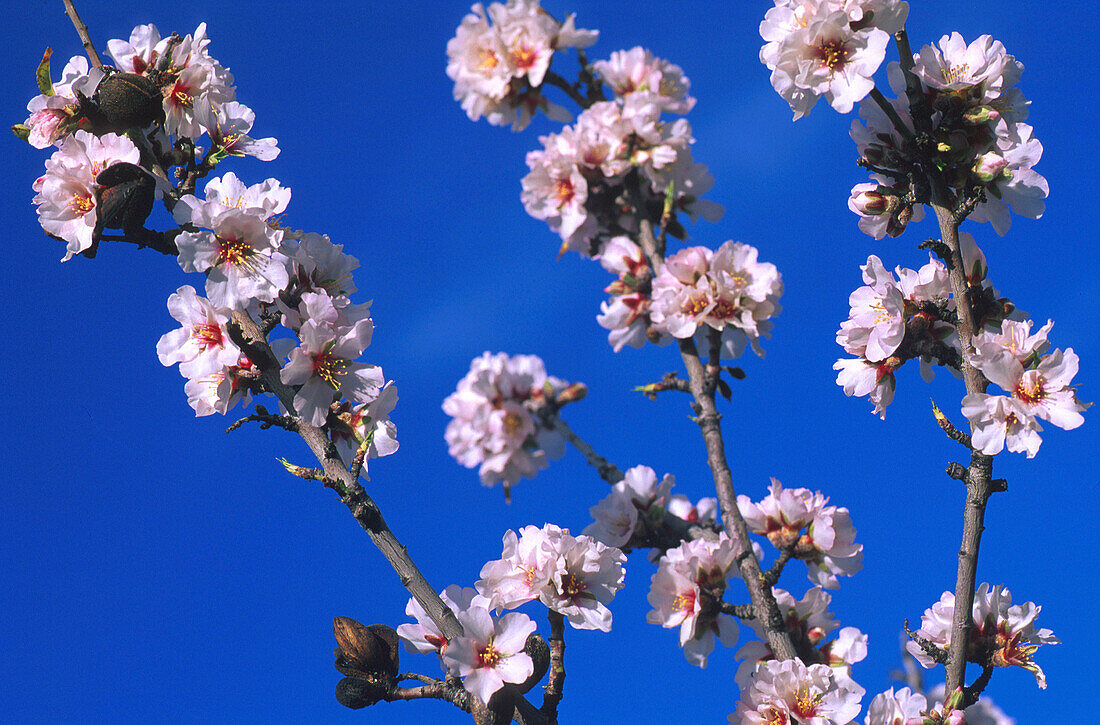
[157, 569]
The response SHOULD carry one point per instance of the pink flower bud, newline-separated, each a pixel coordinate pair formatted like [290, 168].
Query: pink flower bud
[989, 166]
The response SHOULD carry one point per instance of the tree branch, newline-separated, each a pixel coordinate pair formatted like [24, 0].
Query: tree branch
[709, 420]
[82, 31]
[246, 334]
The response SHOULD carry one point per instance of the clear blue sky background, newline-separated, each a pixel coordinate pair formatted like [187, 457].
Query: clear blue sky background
[155, 569]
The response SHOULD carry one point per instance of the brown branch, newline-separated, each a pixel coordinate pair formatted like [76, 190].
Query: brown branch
[709, 420]
[82, 31]
[246, 334]
[607, 471]
[555, 685]
[979, 474]
[553, 79]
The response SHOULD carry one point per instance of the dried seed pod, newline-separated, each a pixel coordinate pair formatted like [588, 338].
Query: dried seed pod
[357, 693]
[129, 100]
[125, 196]
[365, 651]
[539, 652]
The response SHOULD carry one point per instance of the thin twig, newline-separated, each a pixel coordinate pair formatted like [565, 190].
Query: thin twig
[891, 113]
[82, 31]
[555, 684]
[709, 420]
[557, 81]
[607, 471]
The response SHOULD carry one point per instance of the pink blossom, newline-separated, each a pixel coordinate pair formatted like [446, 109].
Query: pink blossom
[790, 692]
[490, 652]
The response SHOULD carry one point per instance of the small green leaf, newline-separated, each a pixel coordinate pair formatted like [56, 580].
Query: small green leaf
[21, 131]
[44, 83]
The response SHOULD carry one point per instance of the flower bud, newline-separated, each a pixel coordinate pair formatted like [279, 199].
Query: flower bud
[129, 100]
[573, 393]
[869, 200]
[981, 114]
[989, 166]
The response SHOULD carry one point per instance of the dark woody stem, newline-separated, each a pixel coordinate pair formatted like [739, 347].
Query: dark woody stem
[82, 31]
[702, 389]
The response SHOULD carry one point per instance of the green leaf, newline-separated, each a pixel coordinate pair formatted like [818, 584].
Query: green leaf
[44, 83]
[21, 131]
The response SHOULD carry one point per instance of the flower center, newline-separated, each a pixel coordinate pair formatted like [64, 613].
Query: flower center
[234, 252]
[488, 656]
[181, 96]
[572, 587]
[563, 192]
[207, 335]
[695, 305]
[775, 716]
[955, 73]
[684, 601]
[833, 54]
[82, 203]
[524, 57]
[487, 59]
[805, 703]
[512, 423]
[329, 368]
[1032, 388]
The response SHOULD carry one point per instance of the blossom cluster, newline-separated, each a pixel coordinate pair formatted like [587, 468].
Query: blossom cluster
[686, 590]
[1038, 386]
[808, 625]
[894, 319]
[584, 176]
[789, 691]
[827, 48]
[696, 290]
[197, 97]
[637, 505]
[575, 576]
[499, 67]
[983, 149]
[800, 521]
[494, 423]
[1002, 634]
[490, 651]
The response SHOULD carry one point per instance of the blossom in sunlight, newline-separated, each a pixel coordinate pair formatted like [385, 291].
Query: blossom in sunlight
[201, 345]
[424, 637]
[194, 80]
[324, 365]
[686, 591]
[895, 708]
[66, 197]
[494, 425]
[1003, 634]
[367, 421]
[809, 625]
[727, 290]
[490, 651]
[800, 520]
[573, 575]
[51, 115]
[1039, 387]
[498, 66]
[790, 692]
[219, 390]
[638, 71]
[818, 48]
[228, 125]
[617, 515]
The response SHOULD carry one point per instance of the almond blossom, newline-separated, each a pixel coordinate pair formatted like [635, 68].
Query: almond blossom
[824, 48]
[637, 495]
[424, 637]
[367, 422]
[686, 591]
[1038, 387]
[202, 344]
[228, 125]
[1002, 634]
[52, 113]
[573, 575]
[788, 691]
[66, 197]
[638, 71]
[490, 651]
[895, 708]
[808, 624]
[626, 314]
[498, 68]
[324, 365]
[728, 291]
[493, 423]
[818, 534]
[194, 80]
[217, 391]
